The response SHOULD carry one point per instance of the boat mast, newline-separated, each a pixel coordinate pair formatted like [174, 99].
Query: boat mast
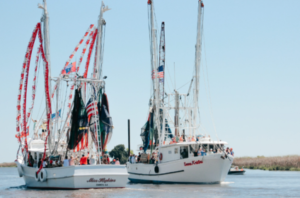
[197, 62]
[99, 55]
[162, 55]
[154, 66]
[45, 20]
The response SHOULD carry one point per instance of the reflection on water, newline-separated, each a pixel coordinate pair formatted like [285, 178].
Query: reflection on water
[254, 183]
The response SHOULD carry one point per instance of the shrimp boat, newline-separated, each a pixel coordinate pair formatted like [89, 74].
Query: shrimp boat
[174, 158]
[76, 128]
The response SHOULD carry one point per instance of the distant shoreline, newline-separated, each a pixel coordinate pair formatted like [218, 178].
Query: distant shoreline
[279, 163]
[8, 164]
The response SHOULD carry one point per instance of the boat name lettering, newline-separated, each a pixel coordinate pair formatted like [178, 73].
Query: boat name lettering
[101, 180]
[193, 163]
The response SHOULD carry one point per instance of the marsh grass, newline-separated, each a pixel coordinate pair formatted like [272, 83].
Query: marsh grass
[8, 164]
[283, 163]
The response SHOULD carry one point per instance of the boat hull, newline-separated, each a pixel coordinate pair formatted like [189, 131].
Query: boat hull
[77, 177]
[194, 170]
[236, 172]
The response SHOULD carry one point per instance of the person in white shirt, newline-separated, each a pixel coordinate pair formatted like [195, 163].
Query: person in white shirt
[132, 159]
[92, 160]
[44, 164]
[66, 162]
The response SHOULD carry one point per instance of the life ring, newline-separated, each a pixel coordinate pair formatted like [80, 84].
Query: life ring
[20, 170]
[43, 175]
[156, 169]
[36, 176]
[160, 156]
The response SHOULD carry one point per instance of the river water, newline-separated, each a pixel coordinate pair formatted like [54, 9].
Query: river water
[255, 183]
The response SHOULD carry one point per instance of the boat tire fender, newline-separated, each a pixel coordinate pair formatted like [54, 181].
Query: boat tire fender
[36, 176]
[43, 175]
[156, 169]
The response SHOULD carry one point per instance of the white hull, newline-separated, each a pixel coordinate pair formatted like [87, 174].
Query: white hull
[77, 177]
[200, 169]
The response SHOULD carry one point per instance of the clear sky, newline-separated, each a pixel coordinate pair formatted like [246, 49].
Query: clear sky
[250, 65]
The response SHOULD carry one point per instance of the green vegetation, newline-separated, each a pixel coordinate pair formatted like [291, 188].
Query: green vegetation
[280, 163]
[120, 152]
[7, 164]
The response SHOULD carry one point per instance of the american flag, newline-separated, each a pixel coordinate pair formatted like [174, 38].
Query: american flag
[91, 107]
[160, 73]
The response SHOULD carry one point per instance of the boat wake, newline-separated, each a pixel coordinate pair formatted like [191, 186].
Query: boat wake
[226, 183]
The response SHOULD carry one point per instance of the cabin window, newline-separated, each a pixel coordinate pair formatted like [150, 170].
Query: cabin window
[184, 152]
[176, 150]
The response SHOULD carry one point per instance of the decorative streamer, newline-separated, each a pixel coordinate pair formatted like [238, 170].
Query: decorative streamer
[25, 68]
[34, 83]
[18, 119]
[72, 55]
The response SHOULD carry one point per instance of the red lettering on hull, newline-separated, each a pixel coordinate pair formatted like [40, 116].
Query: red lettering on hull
[193, 163]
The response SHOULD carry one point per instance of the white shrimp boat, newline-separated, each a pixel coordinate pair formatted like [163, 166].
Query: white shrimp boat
[177, 160]
[76, 128]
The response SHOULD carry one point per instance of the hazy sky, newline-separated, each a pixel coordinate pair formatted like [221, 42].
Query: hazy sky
[250, 65]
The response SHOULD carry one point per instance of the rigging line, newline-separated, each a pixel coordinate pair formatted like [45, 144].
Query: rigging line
[42, 101]
[170, 90]
[104, 30]
[170, 75]
[183, 85]
[62, 113]
[208, 89]
[174, 77]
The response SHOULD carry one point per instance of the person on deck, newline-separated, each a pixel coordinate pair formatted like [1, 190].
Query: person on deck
[177, 139]
[71, 161]
[39, 163]
[227, 150]
[231, 152]
[88, 159]
[195, 153]
[44, 163]
[193, 139]
[181, 138]
[113, 162]
[66, 162]
[139, 158]
[199, 152]
[76, 160]
[83, 160]
[117, 162]
[152, 160]
[92, 160]
[203, 153]
[132, 160]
